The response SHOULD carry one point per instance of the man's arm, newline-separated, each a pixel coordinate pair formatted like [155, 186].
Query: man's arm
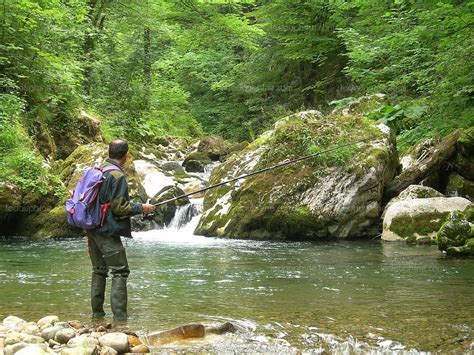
[119, 203]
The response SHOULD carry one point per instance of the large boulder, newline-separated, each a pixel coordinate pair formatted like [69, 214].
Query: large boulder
[152, 178]
[335, 195]
[412, 192]
[419, 219]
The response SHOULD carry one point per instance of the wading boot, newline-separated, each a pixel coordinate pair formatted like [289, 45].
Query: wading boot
[97, 296]
[118, 298]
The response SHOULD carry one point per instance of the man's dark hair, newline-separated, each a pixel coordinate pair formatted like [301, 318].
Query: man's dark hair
[117, 149]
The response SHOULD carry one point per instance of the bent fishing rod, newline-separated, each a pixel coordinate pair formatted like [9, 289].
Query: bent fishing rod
[284, 163]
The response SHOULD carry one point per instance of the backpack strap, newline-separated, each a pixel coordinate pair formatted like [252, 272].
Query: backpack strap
[109, 168]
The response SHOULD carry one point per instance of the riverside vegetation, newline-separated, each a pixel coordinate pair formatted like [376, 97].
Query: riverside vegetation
[290, 78]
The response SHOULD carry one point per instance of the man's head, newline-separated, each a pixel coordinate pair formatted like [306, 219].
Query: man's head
[118, 150]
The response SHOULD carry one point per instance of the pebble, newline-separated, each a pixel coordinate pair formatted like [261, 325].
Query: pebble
[14, 323]
[106, 350]
[133, 340]
[83, 331]
[101, 328]
[82, 341]
[117, 341]
[50, 332]
[52, 343]
[64, 335]
[31, 328]
[33, 349]
[12, 349]
[97, 335]
[47, 321]
[75, 324]
[140, 349]
[16, 337]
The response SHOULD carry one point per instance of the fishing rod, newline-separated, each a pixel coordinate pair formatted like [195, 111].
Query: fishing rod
[284, 163]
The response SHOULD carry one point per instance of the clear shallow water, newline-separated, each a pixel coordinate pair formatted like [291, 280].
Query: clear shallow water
[297, 292]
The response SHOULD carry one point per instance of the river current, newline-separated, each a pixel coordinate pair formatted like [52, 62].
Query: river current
[283, 297]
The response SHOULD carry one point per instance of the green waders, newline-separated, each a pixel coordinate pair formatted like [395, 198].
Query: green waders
[108, 254]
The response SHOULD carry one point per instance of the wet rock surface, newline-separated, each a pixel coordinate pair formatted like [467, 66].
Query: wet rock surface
[336, 195]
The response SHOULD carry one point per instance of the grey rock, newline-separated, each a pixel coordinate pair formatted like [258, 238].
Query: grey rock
[34, 349]
[16, 337]
[117, 341]
[106, 350]
[64, 335]
[13, 348]
[173, 166]
[47, 321]
[84, 341]
[419, 218]
[50, 332]
[338, 195]
[14, 323]
[80, 350]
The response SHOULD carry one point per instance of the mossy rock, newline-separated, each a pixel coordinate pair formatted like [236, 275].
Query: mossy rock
[418, 219]
[454, 232]
[198, 156]
[49, 224]
[459, 186]
[196, 161]
[334, 195]
[81, 159]
[165, 213]
[466, 250]
[214, 146]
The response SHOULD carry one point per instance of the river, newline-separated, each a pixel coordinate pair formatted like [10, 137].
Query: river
[282, 296]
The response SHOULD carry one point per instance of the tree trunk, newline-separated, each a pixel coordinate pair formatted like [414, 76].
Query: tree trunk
[421, 169]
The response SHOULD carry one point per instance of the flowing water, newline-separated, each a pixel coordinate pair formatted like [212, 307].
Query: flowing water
[367, 296]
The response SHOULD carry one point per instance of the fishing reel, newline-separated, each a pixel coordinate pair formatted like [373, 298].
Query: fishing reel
[148, 217]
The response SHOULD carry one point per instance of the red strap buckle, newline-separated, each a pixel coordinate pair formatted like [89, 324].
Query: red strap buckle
[104, 209]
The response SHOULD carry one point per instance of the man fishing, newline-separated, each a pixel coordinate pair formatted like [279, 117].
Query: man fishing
[105, 246]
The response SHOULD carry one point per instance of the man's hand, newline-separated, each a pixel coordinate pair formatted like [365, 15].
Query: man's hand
[147, 208]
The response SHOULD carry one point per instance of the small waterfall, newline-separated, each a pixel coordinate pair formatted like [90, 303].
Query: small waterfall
[185, 214]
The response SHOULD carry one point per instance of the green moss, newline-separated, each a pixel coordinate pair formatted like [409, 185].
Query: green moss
[421, 224]
[454, 232]
[466, 250]
[50, 224]
[198, 156]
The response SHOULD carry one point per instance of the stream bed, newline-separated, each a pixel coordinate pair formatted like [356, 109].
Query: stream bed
[356, 295]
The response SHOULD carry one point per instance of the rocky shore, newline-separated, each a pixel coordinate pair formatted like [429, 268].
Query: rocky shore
[49, 335]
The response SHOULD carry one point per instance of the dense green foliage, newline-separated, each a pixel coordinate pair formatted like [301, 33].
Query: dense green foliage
[151, 68]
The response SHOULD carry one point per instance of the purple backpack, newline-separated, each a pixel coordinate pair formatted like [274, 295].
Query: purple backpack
[83, 209]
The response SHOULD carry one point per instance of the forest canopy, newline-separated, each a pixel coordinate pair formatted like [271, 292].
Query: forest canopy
[152, 68]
